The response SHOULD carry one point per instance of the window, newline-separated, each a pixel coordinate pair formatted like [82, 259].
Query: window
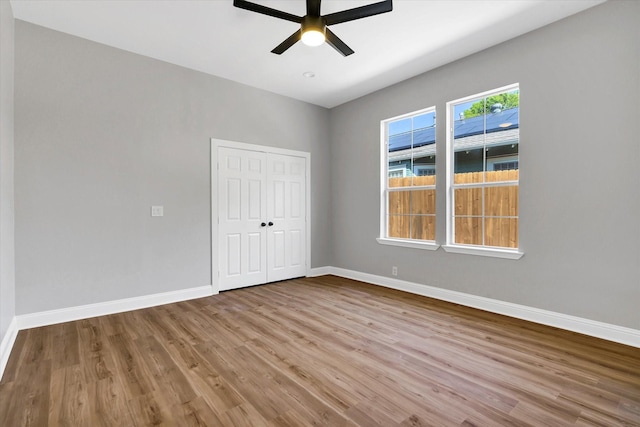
[424, 170]
[408, 199]
[483, 175]
[504, 166]
[398, 172]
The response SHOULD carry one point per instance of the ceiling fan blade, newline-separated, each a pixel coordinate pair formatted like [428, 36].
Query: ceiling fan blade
[313, 7]
[359, 12]
[243, 4]
[293, 38]
[335, 42]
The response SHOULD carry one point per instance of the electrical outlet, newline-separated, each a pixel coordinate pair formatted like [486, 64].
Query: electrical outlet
[157, 210]
[394, 270]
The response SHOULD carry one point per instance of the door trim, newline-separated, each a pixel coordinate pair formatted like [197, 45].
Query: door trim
[215, 144]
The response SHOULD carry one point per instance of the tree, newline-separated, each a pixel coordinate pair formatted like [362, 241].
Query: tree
[508, 100]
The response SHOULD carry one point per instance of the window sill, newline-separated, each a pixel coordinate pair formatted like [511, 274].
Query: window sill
[490, 252]
[416, 244]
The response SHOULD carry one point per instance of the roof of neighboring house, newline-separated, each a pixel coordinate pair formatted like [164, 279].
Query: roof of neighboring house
[402, 141]
[462, 128]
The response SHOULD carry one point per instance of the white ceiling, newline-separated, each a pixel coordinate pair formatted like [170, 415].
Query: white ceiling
[214, 37]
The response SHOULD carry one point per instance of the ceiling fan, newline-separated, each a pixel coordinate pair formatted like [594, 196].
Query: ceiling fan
[313, 26]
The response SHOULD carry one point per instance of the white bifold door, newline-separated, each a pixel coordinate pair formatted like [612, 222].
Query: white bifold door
[261, 217]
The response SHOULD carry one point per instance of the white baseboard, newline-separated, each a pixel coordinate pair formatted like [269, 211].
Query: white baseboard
[52, 317]
[592, 328]
[7, 344]
[319, 271]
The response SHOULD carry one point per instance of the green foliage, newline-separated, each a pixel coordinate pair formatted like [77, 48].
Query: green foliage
[508, 100]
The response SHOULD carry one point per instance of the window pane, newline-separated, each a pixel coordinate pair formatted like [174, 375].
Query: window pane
[424, 180]
[423, 227]
[399, 226]
[501, 140]
[399, 182]
[502, 160]
[424, 121]
[424, 169]
[502, 175]
[399, 202]
[399, 173]
[424, 149]
[467, 178]
[468, 136]
[501, 201]
[501, 232]
[423, 202]
[401, 126]
[503, 157]
[471, 160]
[468, 231]
[399, 153]
[468, 201]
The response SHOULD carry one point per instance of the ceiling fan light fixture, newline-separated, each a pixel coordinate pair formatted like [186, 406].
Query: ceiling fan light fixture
[313, 31]
[313, 37]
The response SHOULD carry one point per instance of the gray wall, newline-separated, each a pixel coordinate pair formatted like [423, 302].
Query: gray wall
[580, 170]
[7, 271]
[101, 135]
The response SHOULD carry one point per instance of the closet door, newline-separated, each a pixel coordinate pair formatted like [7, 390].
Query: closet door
[286, 214]
[261, 220]
[242, 230]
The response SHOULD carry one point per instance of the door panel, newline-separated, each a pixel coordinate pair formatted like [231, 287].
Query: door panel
[277, 250]
[234, 256]
[296, 249]
[286, 208]
[255, 252]
[241, 203]
[296, 201]
[278, 200]
[256, 207]
[233, 199]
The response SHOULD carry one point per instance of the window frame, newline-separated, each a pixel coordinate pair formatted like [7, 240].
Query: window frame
[450, 245]
[384, 187]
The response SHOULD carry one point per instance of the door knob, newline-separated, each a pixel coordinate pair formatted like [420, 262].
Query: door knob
[270, 223]
[264, 224]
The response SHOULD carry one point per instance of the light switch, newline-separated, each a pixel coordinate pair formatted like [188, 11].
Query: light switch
[157, 210]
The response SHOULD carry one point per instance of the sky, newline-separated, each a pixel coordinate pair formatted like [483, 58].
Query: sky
[423, 120]
[412, 123]
[427, 119]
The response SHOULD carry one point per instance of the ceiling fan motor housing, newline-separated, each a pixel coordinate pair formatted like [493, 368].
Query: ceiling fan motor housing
[313, 23]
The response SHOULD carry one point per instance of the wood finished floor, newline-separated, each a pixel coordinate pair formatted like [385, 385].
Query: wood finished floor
[317, 351]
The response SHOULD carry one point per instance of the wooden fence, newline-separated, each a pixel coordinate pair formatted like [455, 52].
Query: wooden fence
[412, 212]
